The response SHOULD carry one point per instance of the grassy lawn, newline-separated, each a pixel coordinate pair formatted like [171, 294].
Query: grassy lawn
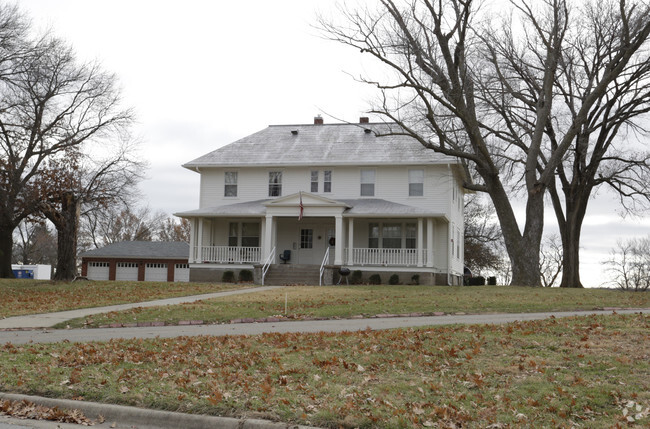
[341, 301]
[591, 371]
[21, 296]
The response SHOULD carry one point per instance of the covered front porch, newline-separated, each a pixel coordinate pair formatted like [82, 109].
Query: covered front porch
[307, 229]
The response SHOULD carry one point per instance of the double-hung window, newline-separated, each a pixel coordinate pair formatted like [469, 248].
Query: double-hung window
[230, 184]
[275, 183]
[314, 181]
[367, 183]
[391, 236]
[327, 181]
[416, 183]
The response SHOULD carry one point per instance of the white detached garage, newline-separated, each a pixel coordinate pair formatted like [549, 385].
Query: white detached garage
[138, 261]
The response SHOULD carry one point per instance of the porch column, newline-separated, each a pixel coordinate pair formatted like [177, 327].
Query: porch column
[338, 249]
[268, 237]
[420, 242]
[430, 242]
[350, 241]
[199, 240]
[192, 256]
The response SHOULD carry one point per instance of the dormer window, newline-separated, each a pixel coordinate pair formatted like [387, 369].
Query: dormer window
[275, 183]
[230, 184]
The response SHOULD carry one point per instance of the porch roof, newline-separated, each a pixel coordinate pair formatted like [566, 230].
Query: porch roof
[376, 207]
[246, 209]
[362, 207]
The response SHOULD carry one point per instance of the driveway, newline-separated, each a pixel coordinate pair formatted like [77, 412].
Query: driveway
[105, 334]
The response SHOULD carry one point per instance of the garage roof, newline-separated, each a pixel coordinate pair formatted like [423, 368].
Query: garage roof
[142, 250]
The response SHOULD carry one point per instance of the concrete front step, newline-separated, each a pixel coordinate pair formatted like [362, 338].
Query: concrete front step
[289, 274]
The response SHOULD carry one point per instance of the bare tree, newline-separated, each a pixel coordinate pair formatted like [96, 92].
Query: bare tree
[550, 262]
[607, 149]
[78, 184]
[122, 223]
[629, 265]
[484, 90]
[49, 105]
[171, 230]
[35, 244]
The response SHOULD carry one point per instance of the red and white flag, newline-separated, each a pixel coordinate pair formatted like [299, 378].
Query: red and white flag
[302, 208]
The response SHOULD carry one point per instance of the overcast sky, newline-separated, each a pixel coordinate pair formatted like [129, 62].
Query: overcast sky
[201, 74]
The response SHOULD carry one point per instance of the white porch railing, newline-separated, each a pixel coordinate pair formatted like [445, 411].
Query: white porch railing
[228, 254]
[267, 264]
[386, 257]
[326, 259]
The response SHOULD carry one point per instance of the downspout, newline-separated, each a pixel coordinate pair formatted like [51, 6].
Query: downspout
[449, 227]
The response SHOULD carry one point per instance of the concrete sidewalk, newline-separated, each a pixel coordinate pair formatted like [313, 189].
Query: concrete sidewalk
[332, 325]
[119, 416]
[47, 320]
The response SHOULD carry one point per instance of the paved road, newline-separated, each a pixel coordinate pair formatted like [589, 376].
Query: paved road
[105, 334]
[50, 319]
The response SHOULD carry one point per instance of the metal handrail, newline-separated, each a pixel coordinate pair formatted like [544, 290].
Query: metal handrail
[267, 264]
[322, 266]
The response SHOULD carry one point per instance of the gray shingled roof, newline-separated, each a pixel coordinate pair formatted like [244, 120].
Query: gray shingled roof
[249, 208]
[142, 249]
[331, 144]
[362, 207]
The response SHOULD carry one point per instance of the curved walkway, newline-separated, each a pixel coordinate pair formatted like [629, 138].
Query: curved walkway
[338, 325]
[47, 320]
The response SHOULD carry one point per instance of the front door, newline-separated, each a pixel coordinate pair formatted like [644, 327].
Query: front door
[313, 240]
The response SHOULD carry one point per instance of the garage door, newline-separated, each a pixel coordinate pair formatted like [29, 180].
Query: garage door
[127, 271]
[98, 270]
[182, 273]
[155, 272]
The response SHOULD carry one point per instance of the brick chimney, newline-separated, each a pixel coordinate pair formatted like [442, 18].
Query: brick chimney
[364, 120]
[318, 120]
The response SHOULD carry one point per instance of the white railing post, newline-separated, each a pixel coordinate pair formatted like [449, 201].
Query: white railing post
[322, 266]
[267, 264]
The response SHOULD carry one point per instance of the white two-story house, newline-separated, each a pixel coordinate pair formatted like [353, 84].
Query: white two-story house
[328, 196]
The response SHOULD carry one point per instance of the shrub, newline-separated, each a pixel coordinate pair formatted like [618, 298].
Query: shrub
[355, 277]
[245, 276]
[415, 279]
[393, 280]
[476, 281]
[492, 281]
[374, 279]
[228, 277]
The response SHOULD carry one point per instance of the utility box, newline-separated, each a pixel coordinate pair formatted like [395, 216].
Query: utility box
[38, 272]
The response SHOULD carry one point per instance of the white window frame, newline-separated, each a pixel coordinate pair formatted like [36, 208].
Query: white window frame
[327, 181]
[367, 178]
[416, 182]
[314, 181]
[275, 183]
[230, 184]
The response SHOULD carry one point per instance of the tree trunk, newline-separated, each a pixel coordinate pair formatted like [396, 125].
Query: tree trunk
[67, 226]
[6, 247]
[576, 207]
[523, 249]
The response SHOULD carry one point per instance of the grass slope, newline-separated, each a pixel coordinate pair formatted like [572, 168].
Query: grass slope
[340, 301]
[21, 296]
[591, 371]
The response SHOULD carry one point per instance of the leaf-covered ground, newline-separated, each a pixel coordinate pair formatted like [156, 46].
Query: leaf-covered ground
[340, 301]
[20, 296]
[591, 371]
